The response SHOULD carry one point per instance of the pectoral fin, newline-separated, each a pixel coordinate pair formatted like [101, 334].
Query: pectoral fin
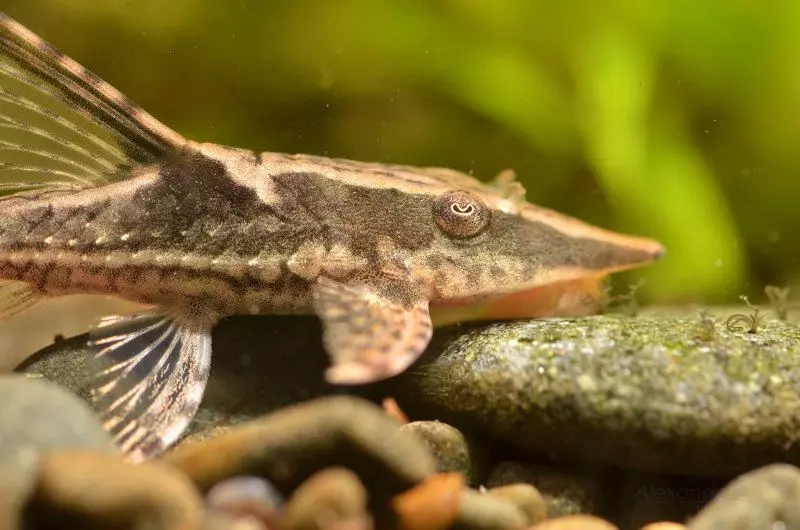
[152, 375]
[372, 330]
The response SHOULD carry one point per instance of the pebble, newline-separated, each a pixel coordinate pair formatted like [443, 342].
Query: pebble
[432, 505]
[331, 498]
[664, 525]
[564, 492]
[454, 452]
[288, 446]
[642, 393]
[245, 497]
[223, 521]
[37, 416]
[101, 490]
[239, 489]
[526, 498]
[767, 498]
[574, 522]
[481, 511]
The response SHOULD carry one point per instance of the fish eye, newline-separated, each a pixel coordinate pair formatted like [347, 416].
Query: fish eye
[461, 214]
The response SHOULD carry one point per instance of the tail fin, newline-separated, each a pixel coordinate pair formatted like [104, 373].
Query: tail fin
[61, 127]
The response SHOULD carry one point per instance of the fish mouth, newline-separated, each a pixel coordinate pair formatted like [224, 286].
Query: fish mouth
[563, 291]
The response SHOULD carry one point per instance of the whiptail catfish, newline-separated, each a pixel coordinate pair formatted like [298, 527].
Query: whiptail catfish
[100, 197]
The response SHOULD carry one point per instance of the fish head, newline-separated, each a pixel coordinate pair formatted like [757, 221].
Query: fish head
[497, 256]
[479, 249]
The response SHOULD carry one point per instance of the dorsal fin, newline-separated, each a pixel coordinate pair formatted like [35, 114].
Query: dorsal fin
[62, 127]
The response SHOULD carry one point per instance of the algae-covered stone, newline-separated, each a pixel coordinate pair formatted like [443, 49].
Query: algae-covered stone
[660, 392]
[454, 452]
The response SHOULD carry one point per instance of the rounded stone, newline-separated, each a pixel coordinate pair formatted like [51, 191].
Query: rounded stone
[83, 489]
[481, 511]
[36, 417]
[651, 393]
[768, 497]
[289, 445]
[525, 497]
[245, 497]
[331, 497]
[454, 452]
[574, 522]
[432, 505]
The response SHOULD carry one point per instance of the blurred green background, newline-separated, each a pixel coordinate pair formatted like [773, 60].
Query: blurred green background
[678, 120]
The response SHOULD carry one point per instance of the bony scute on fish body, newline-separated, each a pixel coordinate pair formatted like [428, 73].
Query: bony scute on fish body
[102, 198]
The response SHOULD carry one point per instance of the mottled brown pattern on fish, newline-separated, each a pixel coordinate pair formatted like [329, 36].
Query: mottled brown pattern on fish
[169, 280]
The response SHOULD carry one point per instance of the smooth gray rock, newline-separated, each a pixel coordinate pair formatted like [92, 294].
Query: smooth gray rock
[768, 497]
[658, 393]
[36, 417]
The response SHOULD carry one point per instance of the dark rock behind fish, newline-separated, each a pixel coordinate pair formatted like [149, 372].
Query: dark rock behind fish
[259, 365]
[662, 392]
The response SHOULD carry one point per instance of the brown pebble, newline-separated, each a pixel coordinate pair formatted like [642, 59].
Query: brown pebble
[110, 492]
[574, 522]
[432, 505]
[664, 525]
[481, 511]
[453, 451]
[291, 444]
[526, 498]
[332, 498]
[224, 521]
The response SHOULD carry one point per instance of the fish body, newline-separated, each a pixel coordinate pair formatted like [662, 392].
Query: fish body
[102, 198]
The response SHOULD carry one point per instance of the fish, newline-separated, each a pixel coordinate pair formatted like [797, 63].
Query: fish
[99, 197]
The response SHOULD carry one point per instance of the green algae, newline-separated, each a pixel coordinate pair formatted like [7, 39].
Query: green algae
[648, 393]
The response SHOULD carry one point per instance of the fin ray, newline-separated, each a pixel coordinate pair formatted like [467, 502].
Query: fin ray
[52, 157]
[67, 123]
[151, 375]
[372, 330]
[27, 104]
